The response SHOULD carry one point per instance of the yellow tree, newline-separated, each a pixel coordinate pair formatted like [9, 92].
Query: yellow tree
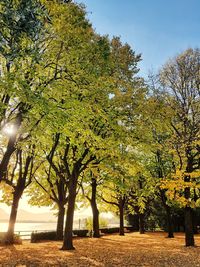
[180, 78]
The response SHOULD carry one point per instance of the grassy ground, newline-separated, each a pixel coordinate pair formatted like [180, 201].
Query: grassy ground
[148, 250]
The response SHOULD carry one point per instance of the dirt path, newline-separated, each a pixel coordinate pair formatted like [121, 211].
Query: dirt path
[148, 250]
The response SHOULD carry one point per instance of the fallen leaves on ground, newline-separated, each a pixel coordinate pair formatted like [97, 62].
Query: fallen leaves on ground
[133, 249]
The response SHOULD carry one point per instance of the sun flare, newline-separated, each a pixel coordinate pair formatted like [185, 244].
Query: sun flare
[9, 129]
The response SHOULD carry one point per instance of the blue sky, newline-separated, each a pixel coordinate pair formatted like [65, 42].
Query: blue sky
[159, 29]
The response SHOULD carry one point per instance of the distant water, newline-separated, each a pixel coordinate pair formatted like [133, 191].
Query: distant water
[29, 226]
[25, 229]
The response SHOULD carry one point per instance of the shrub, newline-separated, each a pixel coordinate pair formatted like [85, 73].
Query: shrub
[43, 236]
[80, 233]
[35, 237]
[110, 230]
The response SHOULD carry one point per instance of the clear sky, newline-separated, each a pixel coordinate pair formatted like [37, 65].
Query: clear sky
[159, 29]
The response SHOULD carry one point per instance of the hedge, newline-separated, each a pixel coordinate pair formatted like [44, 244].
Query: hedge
[110, 230]
[43, 236]
[52, 235]
[80, 233]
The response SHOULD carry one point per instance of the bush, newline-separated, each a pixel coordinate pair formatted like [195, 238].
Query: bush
[80, 233]
[43, 236]
[110, 230]
[35, 237]
[3, 241]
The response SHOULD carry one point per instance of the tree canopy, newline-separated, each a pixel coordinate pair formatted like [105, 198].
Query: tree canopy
[76, 116]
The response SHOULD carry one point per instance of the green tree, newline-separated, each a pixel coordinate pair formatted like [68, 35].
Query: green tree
[50, 189]
[89, 190]
[19, 175]
[21, 24]
[180, 80]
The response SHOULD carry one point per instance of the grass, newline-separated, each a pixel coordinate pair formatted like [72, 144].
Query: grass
[133, 249]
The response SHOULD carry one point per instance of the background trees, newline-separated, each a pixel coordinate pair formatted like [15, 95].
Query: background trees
[180, 77]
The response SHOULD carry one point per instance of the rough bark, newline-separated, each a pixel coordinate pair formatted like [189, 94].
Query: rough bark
[68, 234]
[21, 184]
[95, 210]
[141, 223]
[195, 222]
[121, 216]
[194, 213]
[60, 222]
[9, 238]
[6, 158]
[61, 200]
[170, 227]
[189, 235]
[11, 146]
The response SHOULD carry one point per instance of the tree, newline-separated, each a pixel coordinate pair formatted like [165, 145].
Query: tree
[160, 163]
[181, 82]
[49, 189]
[161, 174]
[90, 193]
[138, 200]
[24, 102]
[19, 177]
[116, 185]
[21, 25]
[117, 199]
[65, 84]
[84, 70]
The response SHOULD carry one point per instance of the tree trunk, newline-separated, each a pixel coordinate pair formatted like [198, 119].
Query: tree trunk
[194, 214]
[121, 217]
[68, 234]
[169, 222]
[95, 210]
[195, 222]
[6, 158]
[141, 223]
[10, 148]
[60, 222]
[168, 213]
[9, 238]
[189, 235]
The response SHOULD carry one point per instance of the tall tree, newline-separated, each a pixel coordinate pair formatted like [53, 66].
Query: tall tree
[50, 189]
[21, 33]
[181, 81]
[82, 71]
[90, 192]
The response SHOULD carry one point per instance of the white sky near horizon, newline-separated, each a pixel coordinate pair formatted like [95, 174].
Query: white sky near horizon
[23, 205]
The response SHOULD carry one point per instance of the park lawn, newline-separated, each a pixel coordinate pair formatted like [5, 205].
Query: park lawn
[133, 249]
